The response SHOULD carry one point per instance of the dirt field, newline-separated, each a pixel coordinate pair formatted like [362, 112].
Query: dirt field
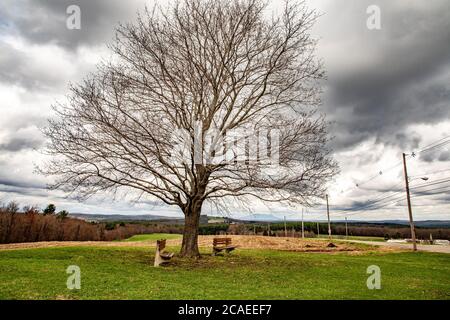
[246, 242]
[286, 244]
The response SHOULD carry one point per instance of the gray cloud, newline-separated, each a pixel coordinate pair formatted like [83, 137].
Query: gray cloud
[12, 185]
[400, 75]
[18, 68]
[444, 156]
[44, 21]
[20, 143]
[436, 155]
[397, 78]
[379, 84]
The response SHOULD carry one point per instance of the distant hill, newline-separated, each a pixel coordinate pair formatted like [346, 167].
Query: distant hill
[121, 217]
[257, 217]
[425, 223]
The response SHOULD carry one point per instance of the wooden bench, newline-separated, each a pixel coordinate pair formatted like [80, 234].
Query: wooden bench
[222, 244]
[161, 256]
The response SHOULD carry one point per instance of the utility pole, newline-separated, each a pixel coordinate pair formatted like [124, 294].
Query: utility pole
[328, 215]
[303, 227]
[285, 228]
[346, 228]
[411, 221]
[318, 229]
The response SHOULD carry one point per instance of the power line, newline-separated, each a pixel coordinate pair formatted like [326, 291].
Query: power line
[429, 173]
[419, 193]
[380, 173]
[436, 147]
[384, 191]
[416, 195]
[424, 194]
[433, 189]
[373, 204]
[431, 184]
[383, 201]
[431, 144]
[436, 144]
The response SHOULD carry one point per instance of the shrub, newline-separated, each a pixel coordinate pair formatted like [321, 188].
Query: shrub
[63, 214]
[51, 209]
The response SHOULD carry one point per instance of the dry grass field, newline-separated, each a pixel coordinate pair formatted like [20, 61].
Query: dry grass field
[244, 242]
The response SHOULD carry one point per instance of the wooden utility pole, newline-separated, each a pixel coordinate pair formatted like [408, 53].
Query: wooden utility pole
[346, 228]
[408, 199]
[318, 229]
[303, 227]
[285, 228]
[328, 216]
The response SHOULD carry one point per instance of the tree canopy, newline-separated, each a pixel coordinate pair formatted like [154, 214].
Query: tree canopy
[232, 85]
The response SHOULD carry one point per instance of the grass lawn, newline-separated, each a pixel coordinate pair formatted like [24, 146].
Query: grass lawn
[127, 273]
[154, 237]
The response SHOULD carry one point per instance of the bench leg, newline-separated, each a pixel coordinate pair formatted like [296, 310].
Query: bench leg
[158, 260]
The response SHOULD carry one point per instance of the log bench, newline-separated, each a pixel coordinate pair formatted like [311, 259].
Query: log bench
[161, 256]
[222, 244]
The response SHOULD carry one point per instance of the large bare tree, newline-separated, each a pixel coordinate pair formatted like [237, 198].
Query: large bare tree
[190, 75]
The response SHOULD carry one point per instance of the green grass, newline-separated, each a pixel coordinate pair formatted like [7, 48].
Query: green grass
[154, 236]
[127, 273]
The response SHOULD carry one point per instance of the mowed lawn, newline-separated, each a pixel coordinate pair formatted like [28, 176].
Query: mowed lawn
[127, 273]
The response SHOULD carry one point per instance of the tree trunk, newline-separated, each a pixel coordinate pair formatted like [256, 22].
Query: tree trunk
[189, 247]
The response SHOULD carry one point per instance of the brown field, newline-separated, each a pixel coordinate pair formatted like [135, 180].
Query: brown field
[245, 242]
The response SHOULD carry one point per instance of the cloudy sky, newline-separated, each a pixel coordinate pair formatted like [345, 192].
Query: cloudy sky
[387, 92]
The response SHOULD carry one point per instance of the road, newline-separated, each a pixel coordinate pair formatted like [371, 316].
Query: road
[420, 247]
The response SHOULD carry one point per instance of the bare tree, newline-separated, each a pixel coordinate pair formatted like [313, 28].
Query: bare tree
[179, 74]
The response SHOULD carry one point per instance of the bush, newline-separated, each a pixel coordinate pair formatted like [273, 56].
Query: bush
[63, 214]
[110, 226]
[51, 209]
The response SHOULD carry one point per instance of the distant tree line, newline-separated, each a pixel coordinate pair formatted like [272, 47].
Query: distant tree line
[389, 231]
[31, 224]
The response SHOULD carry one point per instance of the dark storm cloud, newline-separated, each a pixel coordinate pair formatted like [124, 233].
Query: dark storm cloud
[44, 21]
[404, 79]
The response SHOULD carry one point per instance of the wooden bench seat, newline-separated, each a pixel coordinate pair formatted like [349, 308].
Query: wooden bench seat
[161, 256]
[222, 244]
